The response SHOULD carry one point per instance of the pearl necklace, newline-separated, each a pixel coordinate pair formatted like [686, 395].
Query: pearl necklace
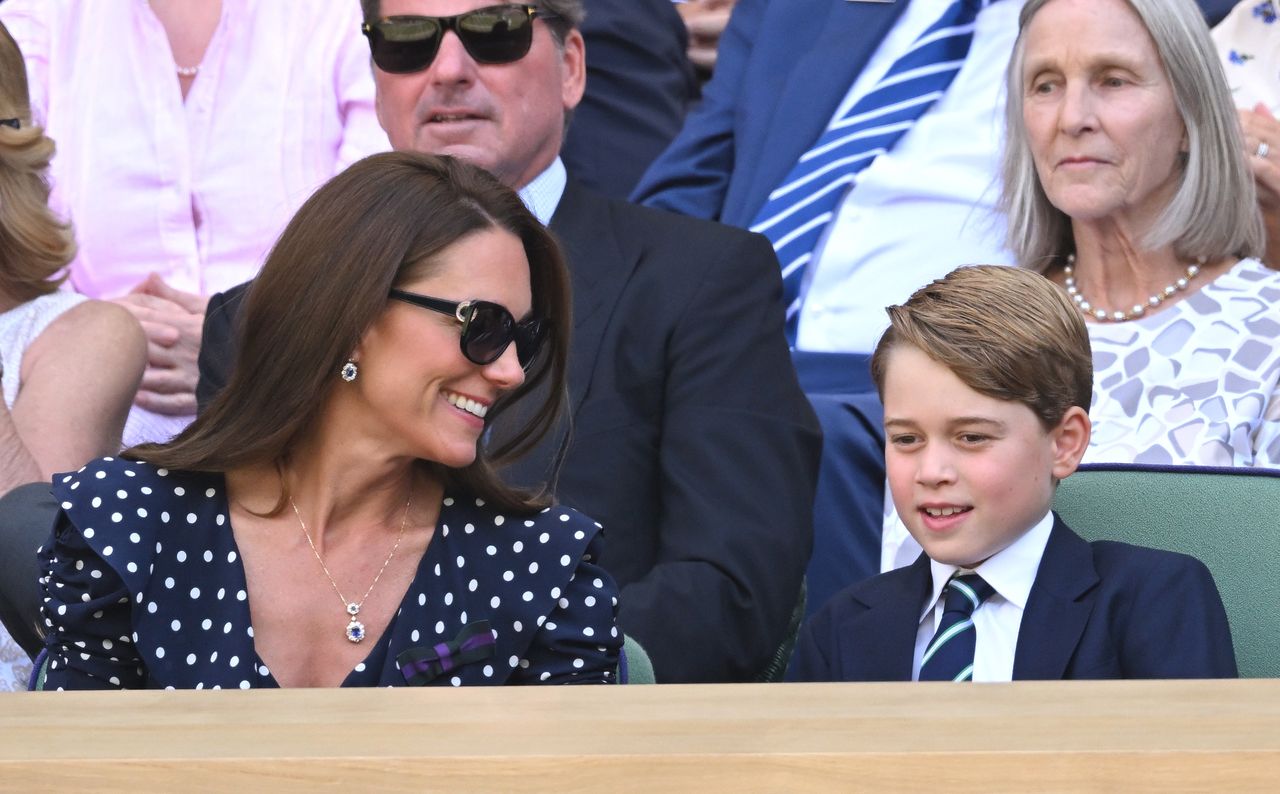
[355, 629]
[1139, 309]
[183, 71]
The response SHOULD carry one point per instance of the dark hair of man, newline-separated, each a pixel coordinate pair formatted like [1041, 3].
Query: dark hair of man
[564, 15]
[378, 224]
[1007, 333]
[34, 243]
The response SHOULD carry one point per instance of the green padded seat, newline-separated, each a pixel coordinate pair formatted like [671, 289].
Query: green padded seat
[1227, 518]
[634, 667]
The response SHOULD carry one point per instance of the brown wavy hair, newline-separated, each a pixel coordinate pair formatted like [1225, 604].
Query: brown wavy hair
[1006, 332]
[34, 243]
[378, 224]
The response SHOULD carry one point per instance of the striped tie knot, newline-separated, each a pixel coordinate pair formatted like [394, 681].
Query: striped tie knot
[949, 655]
[963, 594]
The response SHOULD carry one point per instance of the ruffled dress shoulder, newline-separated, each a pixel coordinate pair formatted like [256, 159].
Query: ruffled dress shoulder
[144, 587]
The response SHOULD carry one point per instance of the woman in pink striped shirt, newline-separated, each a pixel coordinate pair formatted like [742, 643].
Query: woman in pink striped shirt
[188, 133]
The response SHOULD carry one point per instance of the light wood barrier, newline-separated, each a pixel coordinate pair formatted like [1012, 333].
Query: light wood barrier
[1040, 737]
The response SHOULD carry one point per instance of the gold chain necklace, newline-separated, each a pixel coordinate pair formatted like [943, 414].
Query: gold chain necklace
[355, 629]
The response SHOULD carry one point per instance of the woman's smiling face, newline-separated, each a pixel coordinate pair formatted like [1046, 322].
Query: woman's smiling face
[421, 392]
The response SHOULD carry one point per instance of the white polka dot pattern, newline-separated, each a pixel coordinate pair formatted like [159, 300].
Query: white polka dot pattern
[178, 589]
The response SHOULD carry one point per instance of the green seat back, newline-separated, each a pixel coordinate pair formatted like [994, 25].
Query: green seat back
[636, 662]
[1227, 518]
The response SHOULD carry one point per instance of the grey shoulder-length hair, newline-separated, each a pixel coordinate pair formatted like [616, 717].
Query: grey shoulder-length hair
[1214, 213]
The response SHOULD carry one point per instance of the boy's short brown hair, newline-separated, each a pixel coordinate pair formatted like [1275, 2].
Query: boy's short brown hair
[1005, 332]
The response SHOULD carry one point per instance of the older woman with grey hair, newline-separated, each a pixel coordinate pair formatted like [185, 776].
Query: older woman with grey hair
[1126, 183]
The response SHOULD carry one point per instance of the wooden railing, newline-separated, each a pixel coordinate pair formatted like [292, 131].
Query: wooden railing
[943, 738]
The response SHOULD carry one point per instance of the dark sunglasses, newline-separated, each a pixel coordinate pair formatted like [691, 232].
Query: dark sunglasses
[487, 328]
[493, 34]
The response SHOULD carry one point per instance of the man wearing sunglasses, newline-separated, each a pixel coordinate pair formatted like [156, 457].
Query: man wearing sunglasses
[691, 441]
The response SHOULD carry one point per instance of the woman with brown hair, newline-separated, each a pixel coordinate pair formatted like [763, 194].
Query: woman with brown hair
[69, 366]
[333, 517]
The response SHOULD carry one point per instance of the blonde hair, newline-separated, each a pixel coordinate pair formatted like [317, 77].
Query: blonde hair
[1006, 332]
[1213, 213]
[34, 243]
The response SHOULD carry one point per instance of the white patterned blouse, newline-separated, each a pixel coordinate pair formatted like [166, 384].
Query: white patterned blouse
[1195, 383]
[1248, 43]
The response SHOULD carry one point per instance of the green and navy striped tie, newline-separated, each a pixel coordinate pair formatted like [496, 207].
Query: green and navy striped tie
[949, 656]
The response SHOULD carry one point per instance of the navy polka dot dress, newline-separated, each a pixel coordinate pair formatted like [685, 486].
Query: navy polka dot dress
[143, 587]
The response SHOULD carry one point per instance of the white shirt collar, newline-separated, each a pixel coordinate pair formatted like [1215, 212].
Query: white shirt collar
[1010, 571]
[542, 194]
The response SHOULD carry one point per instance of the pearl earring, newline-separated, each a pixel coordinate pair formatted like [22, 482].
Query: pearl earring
[349, 371]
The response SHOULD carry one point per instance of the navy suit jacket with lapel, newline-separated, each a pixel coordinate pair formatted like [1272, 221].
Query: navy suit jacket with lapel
[782, 70]
[691, 441]
[1096, 610]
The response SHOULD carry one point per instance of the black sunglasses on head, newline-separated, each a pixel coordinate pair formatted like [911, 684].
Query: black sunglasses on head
[493, 34]
[487, 328]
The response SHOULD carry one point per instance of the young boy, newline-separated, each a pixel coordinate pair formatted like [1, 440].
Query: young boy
[986, 380]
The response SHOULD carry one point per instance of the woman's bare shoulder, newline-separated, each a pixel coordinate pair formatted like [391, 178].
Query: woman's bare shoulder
[93, 330]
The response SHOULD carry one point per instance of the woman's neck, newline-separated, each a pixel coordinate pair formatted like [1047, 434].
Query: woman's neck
[1112, 271]
[190, 27]
[342, 491]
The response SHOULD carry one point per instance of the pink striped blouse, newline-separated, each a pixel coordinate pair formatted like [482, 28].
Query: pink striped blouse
[195, 191]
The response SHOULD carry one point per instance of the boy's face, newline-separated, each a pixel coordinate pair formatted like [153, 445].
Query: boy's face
[969, 473]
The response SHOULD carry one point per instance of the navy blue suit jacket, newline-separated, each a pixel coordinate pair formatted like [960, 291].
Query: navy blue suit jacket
[783, 69]
[640, 83]
[1096, 610]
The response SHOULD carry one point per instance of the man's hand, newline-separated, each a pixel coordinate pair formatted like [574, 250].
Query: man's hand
[172, 321]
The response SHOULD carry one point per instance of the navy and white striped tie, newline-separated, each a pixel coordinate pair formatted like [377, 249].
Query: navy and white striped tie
[796, 214]
[949, 655]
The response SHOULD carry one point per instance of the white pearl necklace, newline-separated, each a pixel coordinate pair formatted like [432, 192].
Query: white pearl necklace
[183, 71]
[1139, 309]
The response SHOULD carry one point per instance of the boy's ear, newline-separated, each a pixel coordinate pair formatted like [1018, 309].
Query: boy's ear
[1070, 440]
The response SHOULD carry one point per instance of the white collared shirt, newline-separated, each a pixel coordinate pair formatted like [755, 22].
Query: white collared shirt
[1010, 572]
[923, 208]
[543, 193]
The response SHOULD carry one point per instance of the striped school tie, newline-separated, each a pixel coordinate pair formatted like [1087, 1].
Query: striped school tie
[796, 214]
[949, 656]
